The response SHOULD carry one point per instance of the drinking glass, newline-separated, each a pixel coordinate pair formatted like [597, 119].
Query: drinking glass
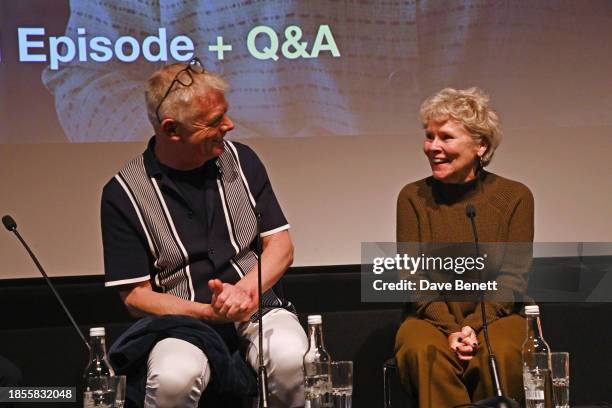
[105, 392]
[342, 383]
[560, 375]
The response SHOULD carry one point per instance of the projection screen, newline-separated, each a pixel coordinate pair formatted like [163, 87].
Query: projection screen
[326, 92]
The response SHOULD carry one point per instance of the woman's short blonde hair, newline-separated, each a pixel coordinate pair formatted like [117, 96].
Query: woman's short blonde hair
[469, 107]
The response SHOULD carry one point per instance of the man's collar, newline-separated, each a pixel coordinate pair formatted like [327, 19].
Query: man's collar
[152, 165]
[150, 161]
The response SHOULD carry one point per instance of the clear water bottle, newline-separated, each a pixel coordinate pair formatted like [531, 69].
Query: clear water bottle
[97, 377]
[536, 363]
[317, 367]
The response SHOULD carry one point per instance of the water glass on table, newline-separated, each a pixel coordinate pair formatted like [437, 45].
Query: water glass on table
[560, 375]
[119, 388]
[105, 392]
[342, 383]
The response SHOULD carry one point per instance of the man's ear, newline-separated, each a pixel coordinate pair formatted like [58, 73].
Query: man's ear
[169, 127]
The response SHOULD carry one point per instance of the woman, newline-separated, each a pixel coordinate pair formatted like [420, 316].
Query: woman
[440, 347]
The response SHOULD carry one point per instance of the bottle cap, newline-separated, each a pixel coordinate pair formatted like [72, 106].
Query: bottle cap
[532, 310]
[96, 331]
[315, 319]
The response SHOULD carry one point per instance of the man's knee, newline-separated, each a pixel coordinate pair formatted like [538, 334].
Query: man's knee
[287, 360]
[174, 382]
[285, 370]
[176, 377]
[285, 343]
[285, 353]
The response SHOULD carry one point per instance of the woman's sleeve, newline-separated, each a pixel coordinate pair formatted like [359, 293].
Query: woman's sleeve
[407, 230]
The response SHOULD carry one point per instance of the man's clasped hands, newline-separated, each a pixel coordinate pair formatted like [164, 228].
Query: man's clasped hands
[233, 302]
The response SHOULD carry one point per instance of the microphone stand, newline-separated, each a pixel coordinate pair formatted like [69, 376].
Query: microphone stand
[499, 400]
[11, 225]
[262, 374]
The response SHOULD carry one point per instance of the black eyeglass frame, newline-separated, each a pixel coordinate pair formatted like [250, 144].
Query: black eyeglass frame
[194, 66]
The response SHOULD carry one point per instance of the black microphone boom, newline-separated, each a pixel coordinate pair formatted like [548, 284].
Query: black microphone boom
[262, 374]
[499, 400]
[470, 212]
[11, 225]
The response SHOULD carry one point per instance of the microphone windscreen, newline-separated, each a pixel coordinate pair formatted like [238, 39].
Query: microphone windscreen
[9, 223]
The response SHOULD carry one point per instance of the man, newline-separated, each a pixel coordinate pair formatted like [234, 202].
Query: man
[179, 224]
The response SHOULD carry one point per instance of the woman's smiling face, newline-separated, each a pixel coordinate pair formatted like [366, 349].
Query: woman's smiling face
[452, 151]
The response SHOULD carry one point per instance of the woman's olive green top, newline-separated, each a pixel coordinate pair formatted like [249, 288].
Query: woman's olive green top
[431, 211]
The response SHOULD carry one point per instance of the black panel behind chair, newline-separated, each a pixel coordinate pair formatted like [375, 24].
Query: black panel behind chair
[36, 336]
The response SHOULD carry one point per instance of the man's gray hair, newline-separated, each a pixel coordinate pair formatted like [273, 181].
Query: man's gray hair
[177, 104]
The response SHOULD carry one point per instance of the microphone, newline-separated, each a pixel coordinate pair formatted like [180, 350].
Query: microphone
[262, 374]
[470, 212]
[11, 225]
[499, 401]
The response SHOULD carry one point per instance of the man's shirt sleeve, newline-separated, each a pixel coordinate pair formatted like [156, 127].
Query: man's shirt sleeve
[127, 255]
[272, 218]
